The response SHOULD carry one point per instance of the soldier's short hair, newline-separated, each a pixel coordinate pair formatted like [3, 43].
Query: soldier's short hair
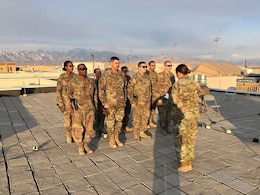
[81, 65]
[151, 62]
[182, 68]
[66, 64]
[113, 58]
[96, 69]
[142, 62]
[123, 68]
[167, 62]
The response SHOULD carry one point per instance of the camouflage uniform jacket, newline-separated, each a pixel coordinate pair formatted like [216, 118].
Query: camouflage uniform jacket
[139, 89]
[163, 86]
[84, 91]
[153, 76]
[185, 95]
[98, 102]
[62, 95]
[112, 89]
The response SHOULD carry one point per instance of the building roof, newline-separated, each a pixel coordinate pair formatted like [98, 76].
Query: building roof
[217, 69]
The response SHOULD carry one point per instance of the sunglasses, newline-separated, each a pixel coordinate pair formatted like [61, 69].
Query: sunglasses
[143, 66]
[169, 65]
[71, 66]
[83, 69]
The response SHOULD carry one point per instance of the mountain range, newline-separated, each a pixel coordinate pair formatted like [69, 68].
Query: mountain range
[43, 57]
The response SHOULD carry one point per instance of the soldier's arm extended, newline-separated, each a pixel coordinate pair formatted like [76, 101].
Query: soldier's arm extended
[71, 94]
[176, 93]
[60, 103]
[95, 93]
[102, 90]
[130, 90]
[125, 88]
[59, 91]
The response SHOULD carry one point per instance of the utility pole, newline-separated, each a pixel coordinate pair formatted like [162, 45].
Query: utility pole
[216, 48]
[130, 53]
[93, 59]
[174, 51]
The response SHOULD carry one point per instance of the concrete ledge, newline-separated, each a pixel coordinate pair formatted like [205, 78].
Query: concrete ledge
[10, 91]
[17, 91]
[238, 92]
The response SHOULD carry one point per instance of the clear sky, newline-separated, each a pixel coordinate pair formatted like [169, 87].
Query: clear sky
[139, 27]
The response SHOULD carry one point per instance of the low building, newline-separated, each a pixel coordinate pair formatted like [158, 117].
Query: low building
[7, 67]
[217, 69]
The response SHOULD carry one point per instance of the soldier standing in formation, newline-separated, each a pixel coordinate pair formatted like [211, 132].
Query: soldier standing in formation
[82, 91]
[154, 79]
[128, 107]
[185, 95]
[112, 94]
[62, 96]
[99, 113]
[163, 97]
[139, 94]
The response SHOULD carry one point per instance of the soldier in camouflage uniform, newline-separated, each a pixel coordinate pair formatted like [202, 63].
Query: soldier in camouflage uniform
[125, 127]
[185, 95]
[112, 94]
[62, 97]
[154, 79]
[161, 95]
[99, 114]
[82, 89]
[139, 94]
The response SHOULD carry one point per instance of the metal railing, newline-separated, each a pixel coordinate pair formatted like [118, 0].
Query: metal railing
[249, 87]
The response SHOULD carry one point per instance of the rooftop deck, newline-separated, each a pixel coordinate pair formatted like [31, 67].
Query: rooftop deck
[224, 164]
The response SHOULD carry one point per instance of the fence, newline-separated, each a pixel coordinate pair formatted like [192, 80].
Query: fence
[249, 87]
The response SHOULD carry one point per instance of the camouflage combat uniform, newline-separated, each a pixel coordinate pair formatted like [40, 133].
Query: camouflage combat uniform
[83, 91]
[127, 108]
[99, 114]
[163, 86]
[63, 99]
[139, 93]
[112, 91]
[154, 79]
[185, 95]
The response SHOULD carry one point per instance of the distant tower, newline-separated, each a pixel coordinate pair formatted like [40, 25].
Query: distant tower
[130, 53]
[93, 61]
[216, 48]
[174, 51]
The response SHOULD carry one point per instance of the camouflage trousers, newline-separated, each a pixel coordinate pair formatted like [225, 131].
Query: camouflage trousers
[165, 116]
[114, 120]
[99, 119]
[185, 132]
[127, 113]
[141, 115]
[68, 120]
[83, 125]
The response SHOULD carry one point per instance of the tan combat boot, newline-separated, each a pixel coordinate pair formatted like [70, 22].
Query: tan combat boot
[112, 141]
[136, 137]
[81, 149]
[128, 129]
[151, 124]
[189, 165]
[144, 136]
[118, 142]
[87, 149]
[183, 167]
[69, 138]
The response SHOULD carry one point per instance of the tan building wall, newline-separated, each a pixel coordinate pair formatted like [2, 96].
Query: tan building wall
[39, 68]
[221, 82]
[7, 67]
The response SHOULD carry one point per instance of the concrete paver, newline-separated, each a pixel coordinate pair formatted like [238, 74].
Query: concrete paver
[224, 164]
